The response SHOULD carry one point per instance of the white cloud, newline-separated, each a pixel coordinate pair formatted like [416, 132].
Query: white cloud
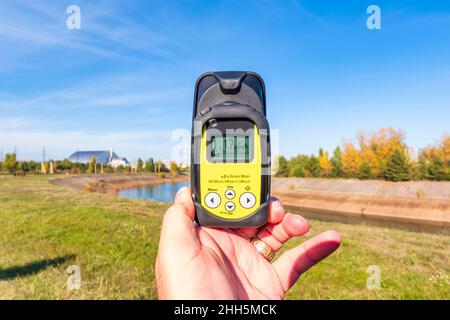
[7, 123]
[29, 27]
[122, 90]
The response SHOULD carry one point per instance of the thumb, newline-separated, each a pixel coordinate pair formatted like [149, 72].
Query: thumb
[178, 226]
[184, 199]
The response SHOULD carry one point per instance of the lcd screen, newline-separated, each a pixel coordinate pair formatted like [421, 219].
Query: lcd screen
[230, 148]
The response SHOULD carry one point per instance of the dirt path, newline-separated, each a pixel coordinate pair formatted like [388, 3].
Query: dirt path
[111, 183]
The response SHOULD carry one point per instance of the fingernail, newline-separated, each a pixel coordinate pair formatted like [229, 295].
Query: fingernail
[276, 204]
[179, 192]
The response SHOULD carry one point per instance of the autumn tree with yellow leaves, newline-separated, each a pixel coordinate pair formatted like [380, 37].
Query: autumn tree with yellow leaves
[324, 164]
[372, 151]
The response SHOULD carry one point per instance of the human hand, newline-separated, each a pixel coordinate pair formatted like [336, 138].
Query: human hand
[197, 262]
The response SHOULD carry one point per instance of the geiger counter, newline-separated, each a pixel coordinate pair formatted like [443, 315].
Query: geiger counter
[230, 150]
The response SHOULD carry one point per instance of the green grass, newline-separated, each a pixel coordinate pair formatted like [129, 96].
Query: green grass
[46, 228]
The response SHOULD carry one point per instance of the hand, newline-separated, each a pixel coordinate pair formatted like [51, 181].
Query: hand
[209, 263]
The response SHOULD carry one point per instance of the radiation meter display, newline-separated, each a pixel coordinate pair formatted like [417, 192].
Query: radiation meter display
[230, 141]
[230, 149]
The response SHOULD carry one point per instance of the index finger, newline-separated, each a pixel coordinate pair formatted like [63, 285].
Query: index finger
[276, 215]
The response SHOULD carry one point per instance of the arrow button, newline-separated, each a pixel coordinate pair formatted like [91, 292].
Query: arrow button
[247, 200]
[230, 194]
[212, 200]
[229, 206]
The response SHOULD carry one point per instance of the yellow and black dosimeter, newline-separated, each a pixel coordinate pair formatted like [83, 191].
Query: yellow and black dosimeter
[230, 152]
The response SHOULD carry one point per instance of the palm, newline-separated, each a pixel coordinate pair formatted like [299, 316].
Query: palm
[207, 263]
[229, 267]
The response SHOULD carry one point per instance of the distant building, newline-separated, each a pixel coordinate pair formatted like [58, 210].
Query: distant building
[102, 157]
[182, 165]
[118, 161]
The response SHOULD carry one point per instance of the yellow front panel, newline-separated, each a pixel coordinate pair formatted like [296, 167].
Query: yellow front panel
[231, 190]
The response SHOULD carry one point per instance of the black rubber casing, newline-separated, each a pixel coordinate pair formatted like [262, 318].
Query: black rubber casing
[230, 95]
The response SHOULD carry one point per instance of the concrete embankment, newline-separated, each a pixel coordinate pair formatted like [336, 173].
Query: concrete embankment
[415, 203]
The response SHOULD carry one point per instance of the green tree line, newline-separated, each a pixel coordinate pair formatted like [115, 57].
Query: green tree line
[380, 155]
[11, 165]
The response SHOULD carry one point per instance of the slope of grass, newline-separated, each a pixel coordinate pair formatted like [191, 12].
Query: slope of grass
[46, 228]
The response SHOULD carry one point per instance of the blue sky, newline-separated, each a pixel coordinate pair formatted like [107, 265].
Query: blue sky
[125, 80]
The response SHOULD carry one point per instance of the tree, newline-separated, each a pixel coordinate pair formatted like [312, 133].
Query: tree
[53, 167]
[351, 160]
[160, 167]
[297, 166]
[326, 168]
[47, 167]
[420, 169]
[139, 165]
[374, 148]
[35, 166]
[150, 165]
[397, 168]
[436, 170]
[438, 159]
[10, 163]
[174, 168]
[336, 163]
[313, 167]
[364, 171]
[25, 166]
[92, 165]
[445, 149]
[381, 144]
[283, 167]
[64, 165]
[163, 167]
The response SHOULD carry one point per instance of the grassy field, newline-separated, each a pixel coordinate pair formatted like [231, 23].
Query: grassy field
[46, 228]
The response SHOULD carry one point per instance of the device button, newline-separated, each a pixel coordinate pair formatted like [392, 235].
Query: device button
[230, 206]
[247, 200]
[212, 200]
[230, 194]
